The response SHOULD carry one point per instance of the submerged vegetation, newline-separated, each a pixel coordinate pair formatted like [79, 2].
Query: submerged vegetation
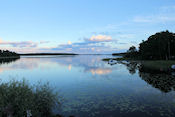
[19, 99]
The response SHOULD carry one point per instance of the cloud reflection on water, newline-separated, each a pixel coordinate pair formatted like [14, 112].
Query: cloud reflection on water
[74, 76]
[86, 63]
[100, 71]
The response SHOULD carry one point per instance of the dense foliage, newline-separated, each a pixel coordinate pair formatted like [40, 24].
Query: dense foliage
[18, 98]
[6, 53]
[132, 52]
[160, 46]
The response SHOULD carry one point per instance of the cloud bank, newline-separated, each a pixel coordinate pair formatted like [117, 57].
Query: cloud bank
[19, 44]
[164, 14]
[99, 38]
[94, 44]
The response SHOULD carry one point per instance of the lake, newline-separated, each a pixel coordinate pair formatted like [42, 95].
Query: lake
[91, 87]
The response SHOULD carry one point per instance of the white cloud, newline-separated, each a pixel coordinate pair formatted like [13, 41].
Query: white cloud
[168, 8]
[164, 14]
[19, 44]
[94, 44]
[69, 42]
[100, 38]
[154, 19]
[43, 42]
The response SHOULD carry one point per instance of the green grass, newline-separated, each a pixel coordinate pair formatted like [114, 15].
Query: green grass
[118, 59]
[160, 65]
[154, 65]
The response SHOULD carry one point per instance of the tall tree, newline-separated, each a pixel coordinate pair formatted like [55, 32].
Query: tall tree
[158, 46]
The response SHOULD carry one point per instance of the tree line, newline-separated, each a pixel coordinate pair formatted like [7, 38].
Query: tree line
[7, 53]
[160, 46]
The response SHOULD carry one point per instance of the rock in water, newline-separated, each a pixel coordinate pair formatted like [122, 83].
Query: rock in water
[173, 67]
[112, 62]
[173, 73]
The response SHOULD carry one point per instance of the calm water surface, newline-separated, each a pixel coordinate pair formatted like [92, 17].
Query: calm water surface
[91, 87]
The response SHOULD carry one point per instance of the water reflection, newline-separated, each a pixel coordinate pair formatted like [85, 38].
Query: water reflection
[92, 88]
[131, 66]
[100, 71]
[88, 63]
[161, 81]
[8, 60]
[70, 67]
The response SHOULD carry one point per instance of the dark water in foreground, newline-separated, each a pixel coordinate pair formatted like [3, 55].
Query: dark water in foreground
[91, 87]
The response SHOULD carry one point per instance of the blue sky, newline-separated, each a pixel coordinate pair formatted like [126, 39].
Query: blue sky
[81, 26]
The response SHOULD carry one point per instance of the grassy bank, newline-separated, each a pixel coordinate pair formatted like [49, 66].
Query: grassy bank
[117, 59]
[119, 54]
[158, 65]
[150, 65]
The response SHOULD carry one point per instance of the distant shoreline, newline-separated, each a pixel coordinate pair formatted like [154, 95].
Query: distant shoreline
[119, 54]
[45, 54]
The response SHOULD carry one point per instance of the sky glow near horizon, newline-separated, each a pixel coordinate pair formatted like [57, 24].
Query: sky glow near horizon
[79, 26]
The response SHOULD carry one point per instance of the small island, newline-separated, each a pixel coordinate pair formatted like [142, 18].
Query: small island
[8, 54]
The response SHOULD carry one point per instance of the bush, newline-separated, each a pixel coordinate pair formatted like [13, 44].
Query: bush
[17, 98]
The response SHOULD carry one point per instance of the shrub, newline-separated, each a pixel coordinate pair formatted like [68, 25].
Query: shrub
[18, 97]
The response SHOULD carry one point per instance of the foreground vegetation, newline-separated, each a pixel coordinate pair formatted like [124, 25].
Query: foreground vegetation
[19, 99]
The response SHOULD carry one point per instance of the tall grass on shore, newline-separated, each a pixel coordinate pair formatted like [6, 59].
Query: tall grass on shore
[18, 98]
